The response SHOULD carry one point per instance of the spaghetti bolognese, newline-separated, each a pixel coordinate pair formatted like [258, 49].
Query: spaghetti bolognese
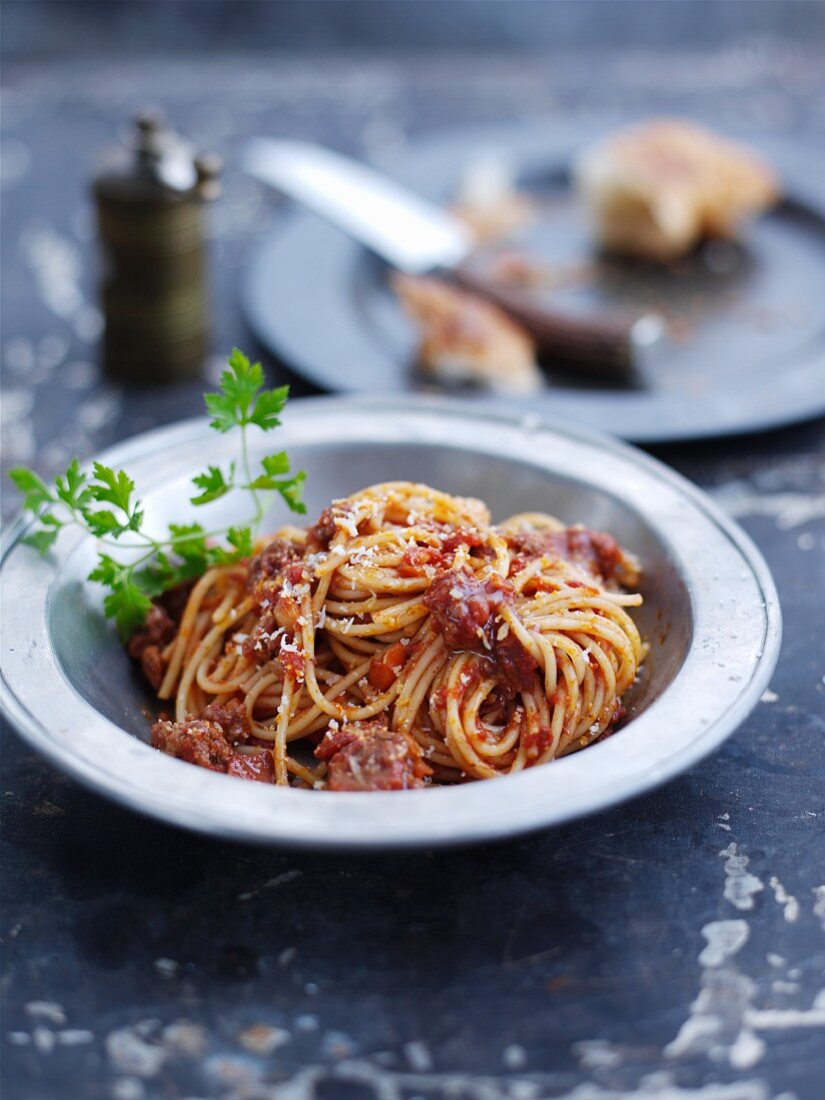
[402, 640]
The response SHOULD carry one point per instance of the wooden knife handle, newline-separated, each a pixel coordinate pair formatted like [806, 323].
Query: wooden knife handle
[608, 343]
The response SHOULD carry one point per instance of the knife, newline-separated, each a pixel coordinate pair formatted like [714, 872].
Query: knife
[418, 237]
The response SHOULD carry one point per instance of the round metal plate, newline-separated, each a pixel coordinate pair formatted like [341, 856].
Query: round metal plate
[711, 614]
[747, 346]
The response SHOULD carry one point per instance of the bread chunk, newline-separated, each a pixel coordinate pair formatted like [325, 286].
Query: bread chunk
[657, 189]
[466, 339]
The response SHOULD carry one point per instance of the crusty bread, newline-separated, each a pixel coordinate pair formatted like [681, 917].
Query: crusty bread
[464, 338]
[657, 189]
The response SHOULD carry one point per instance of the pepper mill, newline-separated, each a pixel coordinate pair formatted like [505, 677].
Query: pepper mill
[150, 197]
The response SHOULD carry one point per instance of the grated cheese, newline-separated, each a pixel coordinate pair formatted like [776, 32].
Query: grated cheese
[346, 523]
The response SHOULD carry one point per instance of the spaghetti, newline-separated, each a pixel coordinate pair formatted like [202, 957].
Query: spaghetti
[402, 640]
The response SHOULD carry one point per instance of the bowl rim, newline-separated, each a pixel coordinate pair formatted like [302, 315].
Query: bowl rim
[619, 768]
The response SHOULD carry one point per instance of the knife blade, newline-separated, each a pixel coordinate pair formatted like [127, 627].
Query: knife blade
[412, 234]
[418, 237]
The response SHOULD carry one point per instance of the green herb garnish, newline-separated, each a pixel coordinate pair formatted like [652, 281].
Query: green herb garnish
[103, 503]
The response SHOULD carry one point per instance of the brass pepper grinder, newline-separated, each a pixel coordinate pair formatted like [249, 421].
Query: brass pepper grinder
[150, 198]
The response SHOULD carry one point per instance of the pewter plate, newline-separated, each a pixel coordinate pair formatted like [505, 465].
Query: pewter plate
[746, 349]
[711, 614]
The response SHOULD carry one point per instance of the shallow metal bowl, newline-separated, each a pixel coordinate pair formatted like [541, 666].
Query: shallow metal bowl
[711, 614]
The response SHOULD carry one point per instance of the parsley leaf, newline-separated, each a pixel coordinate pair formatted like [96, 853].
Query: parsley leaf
[276, 464]
[108, 571]
[159, 575]
[240, 401]
[104, 522]
[267, 407]
[104, 503]
[37, 492]
[188, 541]
[154, 581]
[72, 487]
[128, 606]
[292, 492]
[222, 411]
[238, 388]
[126, 603]
[291, 489]
[112, 487]
[240, 539]
[213, 484]
[42, 540]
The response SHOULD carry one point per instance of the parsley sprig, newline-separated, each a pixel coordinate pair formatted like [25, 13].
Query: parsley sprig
[135, 566]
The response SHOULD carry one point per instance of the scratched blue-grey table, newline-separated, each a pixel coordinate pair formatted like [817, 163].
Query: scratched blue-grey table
[672, 948]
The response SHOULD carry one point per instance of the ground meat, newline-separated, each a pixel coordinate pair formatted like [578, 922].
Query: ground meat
[466, 610]
[321, 534]
[146, 644]
[231, 717]
[194, 740]
[368, 756]
[597, 553]
[463, 536]
[259, 766]
[153, 666]
[337, 737]
[272, 561]
[209, 741]
[417, 560]
[516, 664]
[293, 662]
[278, 599]
[174, 600]
[465, 607]
[263, 643]
[157, 630]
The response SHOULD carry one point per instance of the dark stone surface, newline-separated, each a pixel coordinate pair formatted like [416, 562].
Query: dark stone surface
[141, 962]
[66, 27]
